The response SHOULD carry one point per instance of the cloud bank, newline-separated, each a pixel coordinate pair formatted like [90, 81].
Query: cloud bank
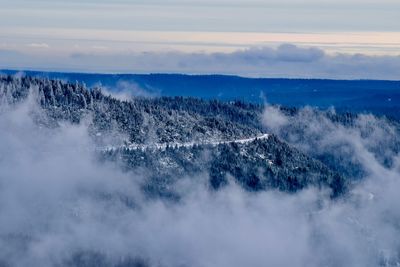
[287, 60]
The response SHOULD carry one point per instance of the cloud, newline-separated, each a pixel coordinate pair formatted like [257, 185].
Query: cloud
[365, 146]
[286, 61]
[292, 53]
[367, 149]
[39, 45]
[273, 118]
[127, 90]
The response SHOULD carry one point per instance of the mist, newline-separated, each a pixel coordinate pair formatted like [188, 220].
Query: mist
[128, 90]
[61, 206]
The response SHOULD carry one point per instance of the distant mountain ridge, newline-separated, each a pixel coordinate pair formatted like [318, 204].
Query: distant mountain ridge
[379, 97]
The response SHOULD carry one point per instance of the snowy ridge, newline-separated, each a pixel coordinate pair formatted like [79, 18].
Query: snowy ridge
[144, 147]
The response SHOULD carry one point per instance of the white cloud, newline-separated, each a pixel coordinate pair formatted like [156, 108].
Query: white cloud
[39, 45]
[286, 61]
[127, 90]
[273, 119]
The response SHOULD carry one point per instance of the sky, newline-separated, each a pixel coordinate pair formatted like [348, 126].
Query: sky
[140, 36]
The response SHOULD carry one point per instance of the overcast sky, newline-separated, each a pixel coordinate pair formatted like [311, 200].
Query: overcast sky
[79, 35]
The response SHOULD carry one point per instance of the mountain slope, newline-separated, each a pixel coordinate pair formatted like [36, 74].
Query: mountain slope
[172, 138]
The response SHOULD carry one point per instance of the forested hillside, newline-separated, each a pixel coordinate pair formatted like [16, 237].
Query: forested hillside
[257, 165]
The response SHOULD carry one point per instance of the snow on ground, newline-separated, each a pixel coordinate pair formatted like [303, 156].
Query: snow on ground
[187, 145]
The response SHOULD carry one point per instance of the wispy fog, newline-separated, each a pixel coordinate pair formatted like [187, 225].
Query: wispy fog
[60, 206]
[127, 90]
